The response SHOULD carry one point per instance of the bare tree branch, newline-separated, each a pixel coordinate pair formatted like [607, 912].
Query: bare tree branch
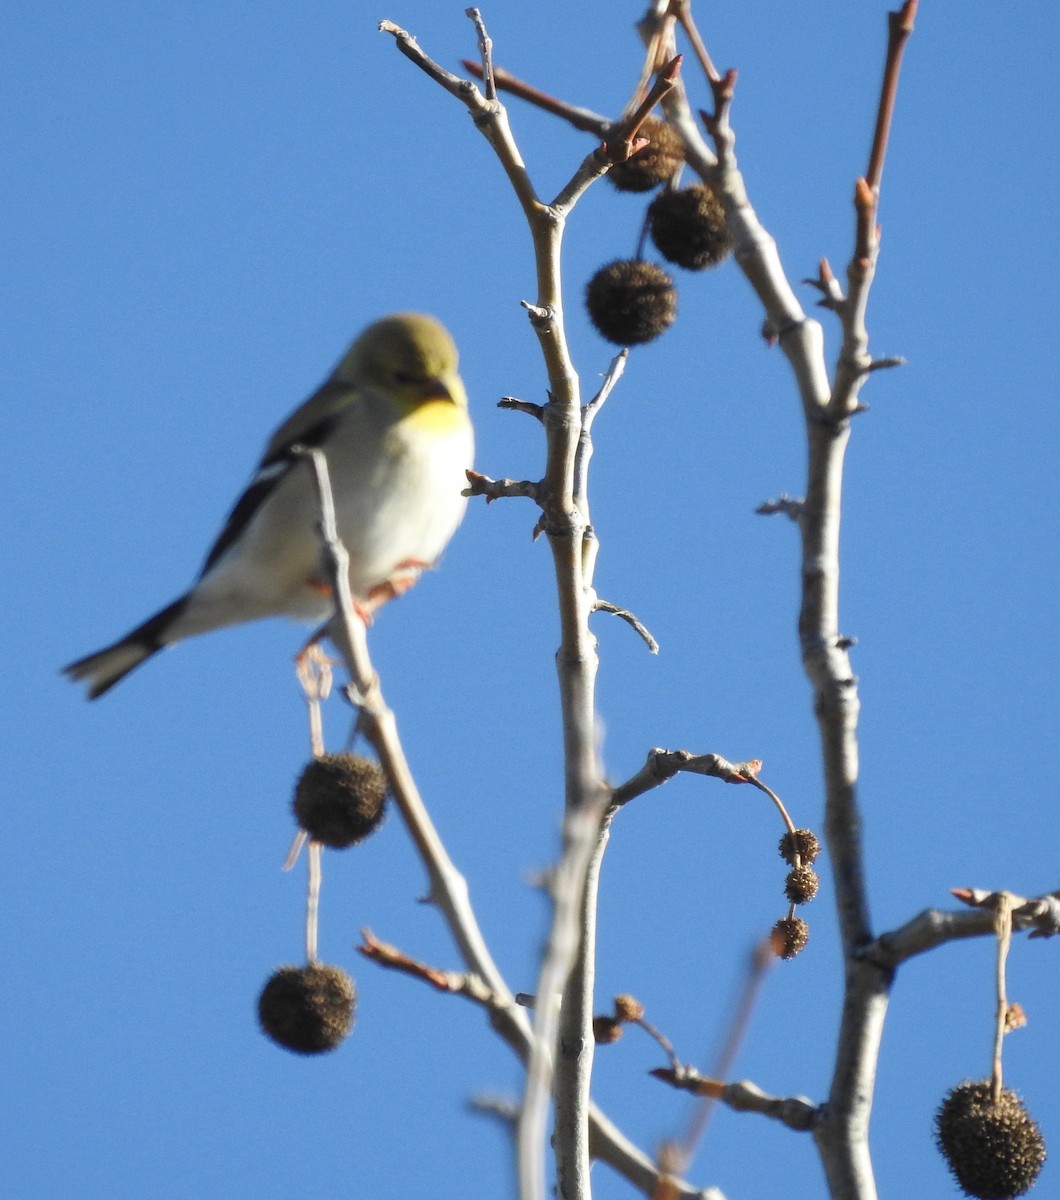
[448, 889]
[564, 519]
[854, 362]
[581, 118]
[935, 927]
[842, 1136]
[796, 1112]
[662, 765]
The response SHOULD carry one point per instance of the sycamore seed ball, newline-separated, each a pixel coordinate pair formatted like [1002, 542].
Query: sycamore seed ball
[631, 302]
[628, 1008]
[688, 227]
[801, 885]
[995, 1151]
[789, 937]
[339, 799]
[606, 1030]
[802, 842]
[308, 1010]
[654, 164]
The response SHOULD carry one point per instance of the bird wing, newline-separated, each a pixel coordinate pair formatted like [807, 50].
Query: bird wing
[309, 425]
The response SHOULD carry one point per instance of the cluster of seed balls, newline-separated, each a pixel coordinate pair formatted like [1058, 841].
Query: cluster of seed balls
[799, 849]
[338, 800]
[631, 301]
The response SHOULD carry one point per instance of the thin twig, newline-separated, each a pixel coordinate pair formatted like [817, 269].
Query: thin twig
[312, 905]
[662, 765]
[796, 1112]
[622, 139]
[485, 48]
[499, 489]
[683, 10]
[899, 29]
[583, 456]
[751, 779]
[313, 669]
[631, 619]
[1003, 924]
[759, 965]
[854, 362]
[783, 504]
[583, 119]
[660, 47]
[408, 46]
[659, 1038]
[614, 373]
[459, 983]
[537, 411]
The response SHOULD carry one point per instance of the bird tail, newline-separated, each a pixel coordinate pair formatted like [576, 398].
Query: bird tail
[102, 670]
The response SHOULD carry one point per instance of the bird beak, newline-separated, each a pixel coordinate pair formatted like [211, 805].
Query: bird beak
[435, 389]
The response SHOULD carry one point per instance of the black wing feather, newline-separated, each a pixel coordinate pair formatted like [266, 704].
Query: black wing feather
[273, 468]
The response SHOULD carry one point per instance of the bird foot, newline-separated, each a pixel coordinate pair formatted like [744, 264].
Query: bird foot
[405, 575]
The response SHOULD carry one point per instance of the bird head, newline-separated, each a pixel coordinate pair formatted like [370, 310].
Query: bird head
[408, 357]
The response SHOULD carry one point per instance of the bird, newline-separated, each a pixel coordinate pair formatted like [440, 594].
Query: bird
[392, 422]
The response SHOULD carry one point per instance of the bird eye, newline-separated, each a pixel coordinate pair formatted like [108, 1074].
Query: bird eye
[406, 378]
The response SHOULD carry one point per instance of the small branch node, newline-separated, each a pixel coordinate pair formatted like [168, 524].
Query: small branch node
[499, 489]
[540, 316]
[537, 411]
[783, 504]
[884, 364]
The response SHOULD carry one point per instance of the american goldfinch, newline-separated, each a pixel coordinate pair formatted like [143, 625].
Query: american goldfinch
[392, 421]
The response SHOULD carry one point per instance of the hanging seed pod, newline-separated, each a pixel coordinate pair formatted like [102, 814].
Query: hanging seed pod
[995, 1151]
[802, 842]
[687, 227]
[339, 799]
[789, 937]
[308, 1010]
[801, 885]
[631, 302]
[654, 164]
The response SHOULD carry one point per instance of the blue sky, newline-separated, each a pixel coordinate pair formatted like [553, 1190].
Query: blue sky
[206, 204]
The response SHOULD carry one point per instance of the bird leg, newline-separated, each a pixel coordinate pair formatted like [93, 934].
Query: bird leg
[405, 575]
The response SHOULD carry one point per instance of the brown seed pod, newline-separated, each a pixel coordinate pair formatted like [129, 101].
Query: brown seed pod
[307, 1009]
[606, 1030]
[995, 1151]
[801, 885]
[789, 937]
[628, 1008]
[654, 164]
[802, 842]
[631, 301]
[339, 799]
[687, 226]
